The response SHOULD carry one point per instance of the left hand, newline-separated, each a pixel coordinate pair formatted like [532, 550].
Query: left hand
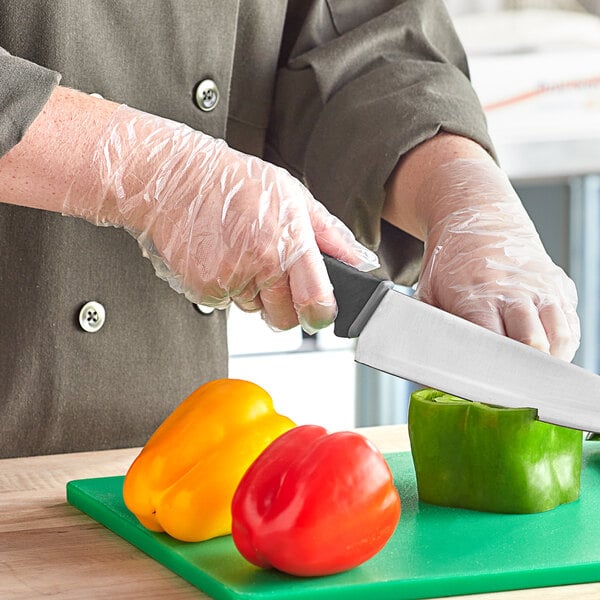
[484, 260]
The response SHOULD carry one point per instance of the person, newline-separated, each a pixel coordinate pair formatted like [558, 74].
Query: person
[193, 132]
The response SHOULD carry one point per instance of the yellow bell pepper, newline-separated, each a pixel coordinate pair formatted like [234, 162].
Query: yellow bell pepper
[184, 479]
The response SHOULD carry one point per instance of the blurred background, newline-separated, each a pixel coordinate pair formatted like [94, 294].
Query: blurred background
[536, 68]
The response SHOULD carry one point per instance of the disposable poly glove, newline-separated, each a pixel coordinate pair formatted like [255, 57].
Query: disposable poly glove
[485, 262]
[218, 225]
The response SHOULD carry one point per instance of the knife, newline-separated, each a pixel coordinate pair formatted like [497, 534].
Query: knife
[406, 337]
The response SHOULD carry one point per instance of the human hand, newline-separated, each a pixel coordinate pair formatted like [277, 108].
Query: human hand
[484, 260]
[218, 225]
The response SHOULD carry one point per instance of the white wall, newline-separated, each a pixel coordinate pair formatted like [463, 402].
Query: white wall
[308, 385]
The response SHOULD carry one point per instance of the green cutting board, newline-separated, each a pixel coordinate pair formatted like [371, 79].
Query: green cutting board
[434, 552]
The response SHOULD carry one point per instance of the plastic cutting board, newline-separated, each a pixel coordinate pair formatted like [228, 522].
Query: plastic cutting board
[434, 552]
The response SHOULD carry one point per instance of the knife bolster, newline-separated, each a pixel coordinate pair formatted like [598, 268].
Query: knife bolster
[369, 308]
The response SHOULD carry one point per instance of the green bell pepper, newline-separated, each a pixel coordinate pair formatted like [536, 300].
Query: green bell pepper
[487, 458]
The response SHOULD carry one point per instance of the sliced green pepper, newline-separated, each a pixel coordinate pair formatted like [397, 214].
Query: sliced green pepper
[487, 458]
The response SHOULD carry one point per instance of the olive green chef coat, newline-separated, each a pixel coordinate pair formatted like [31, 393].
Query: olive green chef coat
[334, 90]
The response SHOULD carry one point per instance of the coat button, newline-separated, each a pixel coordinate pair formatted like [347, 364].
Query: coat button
[204, 310]
[92, 316]
[207, 95]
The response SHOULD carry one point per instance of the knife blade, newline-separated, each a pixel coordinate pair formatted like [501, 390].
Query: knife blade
[403, 336]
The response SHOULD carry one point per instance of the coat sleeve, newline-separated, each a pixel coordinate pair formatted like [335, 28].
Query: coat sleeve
[24, 89]
[360, 84]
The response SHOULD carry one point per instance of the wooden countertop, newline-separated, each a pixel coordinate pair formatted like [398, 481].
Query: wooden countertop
[49, 548]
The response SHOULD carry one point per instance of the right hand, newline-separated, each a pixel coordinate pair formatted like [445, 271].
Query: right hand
[218, 225]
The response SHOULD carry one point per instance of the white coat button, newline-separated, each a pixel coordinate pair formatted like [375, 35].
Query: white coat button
[204, 310]
[207, 95]
[92, 316]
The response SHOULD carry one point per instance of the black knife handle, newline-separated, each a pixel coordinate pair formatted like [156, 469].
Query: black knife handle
[355, 292]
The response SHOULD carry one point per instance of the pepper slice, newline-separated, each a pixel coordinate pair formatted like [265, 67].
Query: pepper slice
[183, 480]
[487, 458]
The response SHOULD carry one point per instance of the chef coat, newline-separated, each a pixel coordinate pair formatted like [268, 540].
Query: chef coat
[95, 350]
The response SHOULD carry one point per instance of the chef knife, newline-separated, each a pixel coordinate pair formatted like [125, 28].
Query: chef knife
[406, 337]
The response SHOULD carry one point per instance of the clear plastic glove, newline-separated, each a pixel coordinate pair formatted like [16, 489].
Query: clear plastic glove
[485, 262]
[218, 225]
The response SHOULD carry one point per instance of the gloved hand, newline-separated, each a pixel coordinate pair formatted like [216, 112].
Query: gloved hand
[485, 262]
[218, 225]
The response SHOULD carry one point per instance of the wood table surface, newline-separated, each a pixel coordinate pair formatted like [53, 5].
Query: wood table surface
[50, 549]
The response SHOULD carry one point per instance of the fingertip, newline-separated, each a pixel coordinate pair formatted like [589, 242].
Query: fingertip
[352, 253]
[248, 300]
[249, 306]
[277, 307]
[336, 239]
[275, 324]
[561, 329]
[312, 292]
[366, 260]
[522, 322]
[316, 316]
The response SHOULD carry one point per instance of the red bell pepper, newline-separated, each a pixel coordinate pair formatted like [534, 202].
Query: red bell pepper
[315, 503]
